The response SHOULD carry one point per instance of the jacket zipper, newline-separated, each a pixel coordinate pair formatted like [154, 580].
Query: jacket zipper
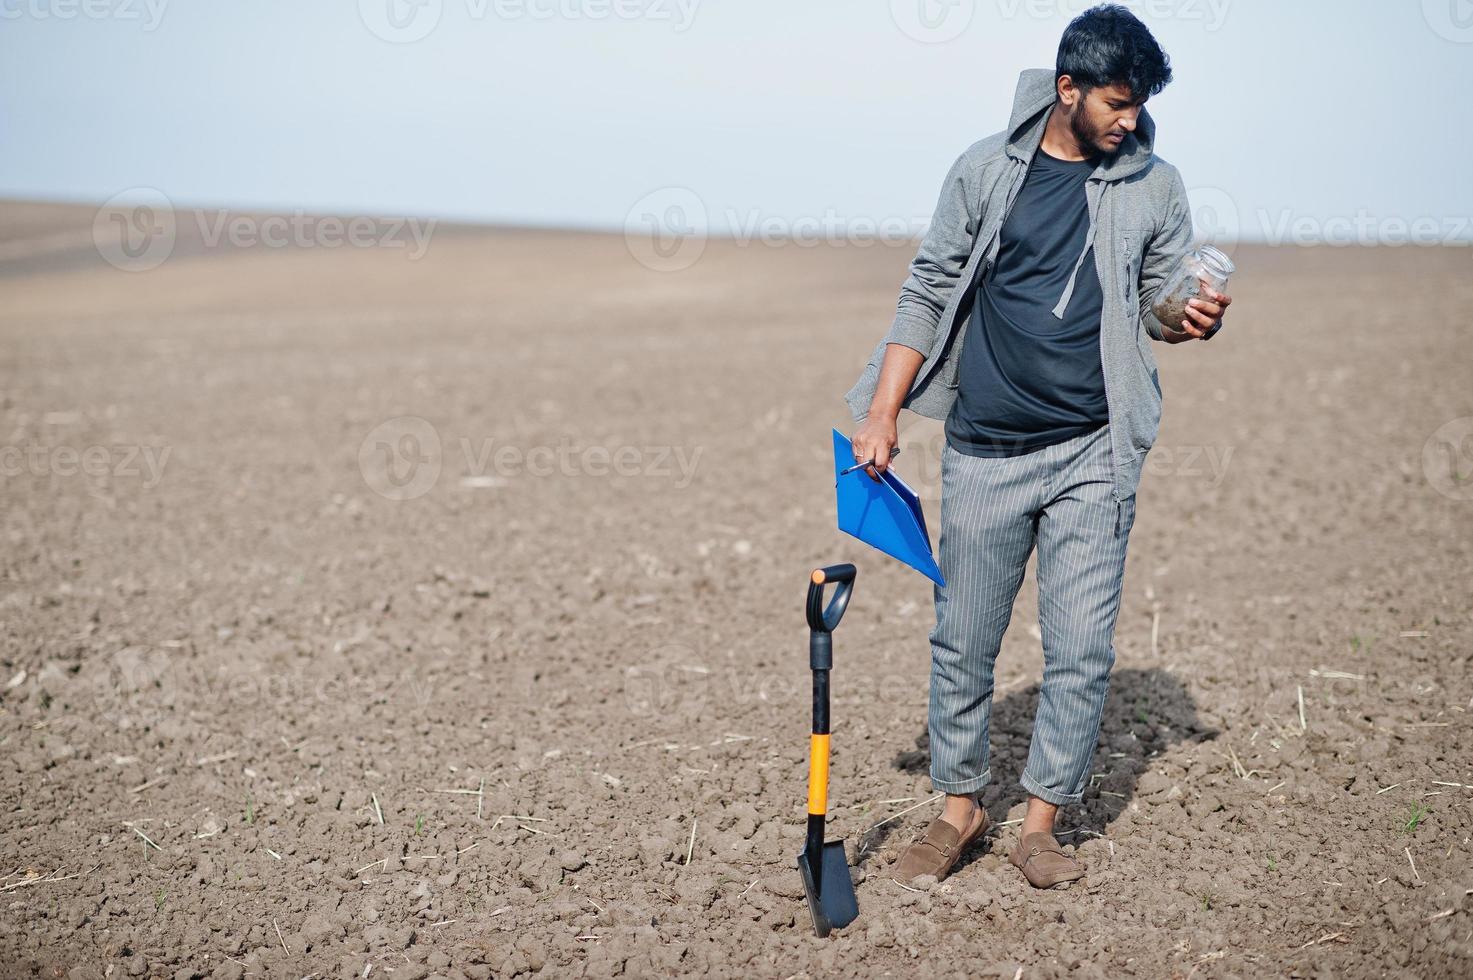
[1110, 399]
[1105, 376]
[1006, 210]
[979, 274]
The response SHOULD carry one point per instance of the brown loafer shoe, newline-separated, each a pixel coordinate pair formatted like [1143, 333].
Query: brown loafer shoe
[1044, 863]
[936, 850]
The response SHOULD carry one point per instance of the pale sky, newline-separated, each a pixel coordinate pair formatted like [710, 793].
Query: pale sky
[570, 112]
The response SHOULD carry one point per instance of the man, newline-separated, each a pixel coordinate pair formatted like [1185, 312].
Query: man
[1025, 323]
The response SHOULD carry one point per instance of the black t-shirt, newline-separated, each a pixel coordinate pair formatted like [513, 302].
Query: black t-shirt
[1028, 379]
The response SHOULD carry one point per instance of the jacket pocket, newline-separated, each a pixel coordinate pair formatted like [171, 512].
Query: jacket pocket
[951, 368]
[1148, 360]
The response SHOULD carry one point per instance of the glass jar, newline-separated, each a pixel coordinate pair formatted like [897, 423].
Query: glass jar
[1203, 265]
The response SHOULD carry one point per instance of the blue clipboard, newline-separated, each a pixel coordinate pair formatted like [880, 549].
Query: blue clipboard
[885, 515]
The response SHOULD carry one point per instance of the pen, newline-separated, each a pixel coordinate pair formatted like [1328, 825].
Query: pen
[894, 451]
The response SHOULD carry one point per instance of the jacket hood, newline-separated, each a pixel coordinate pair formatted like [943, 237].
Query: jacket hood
[1031, 102]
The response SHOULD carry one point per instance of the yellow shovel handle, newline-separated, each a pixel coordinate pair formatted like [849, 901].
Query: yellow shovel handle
[818, 775]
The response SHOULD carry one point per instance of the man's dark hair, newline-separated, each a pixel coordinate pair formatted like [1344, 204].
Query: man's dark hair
[1108, 45]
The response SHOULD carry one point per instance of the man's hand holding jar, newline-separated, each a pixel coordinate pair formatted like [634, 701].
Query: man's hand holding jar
[1191, 303]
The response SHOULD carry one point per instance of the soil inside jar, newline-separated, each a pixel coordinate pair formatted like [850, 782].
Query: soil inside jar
[1171, 312]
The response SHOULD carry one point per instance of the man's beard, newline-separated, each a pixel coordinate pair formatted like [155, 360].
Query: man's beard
[1089, 141]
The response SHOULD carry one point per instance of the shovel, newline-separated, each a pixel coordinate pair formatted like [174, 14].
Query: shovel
[825, 870]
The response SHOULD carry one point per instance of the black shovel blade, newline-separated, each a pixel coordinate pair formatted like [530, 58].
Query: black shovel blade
[830, 891]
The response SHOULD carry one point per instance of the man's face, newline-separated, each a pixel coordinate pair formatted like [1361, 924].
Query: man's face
[1101, 119]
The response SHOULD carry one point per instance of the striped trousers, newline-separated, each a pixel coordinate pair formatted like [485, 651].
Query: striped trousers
[993, 512]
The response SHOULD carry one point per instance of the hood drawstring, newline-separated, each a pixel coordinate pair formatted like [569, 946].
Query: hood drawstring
[1089, 240]
[1069, 286]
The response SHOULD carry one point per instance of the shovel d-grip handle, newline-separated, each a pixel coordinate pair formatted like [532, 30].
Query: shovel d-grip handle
[826, 620]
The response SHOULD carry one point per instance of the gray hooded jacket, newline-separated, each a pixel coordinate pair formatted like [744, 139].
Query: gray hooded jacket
[1139, 223]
